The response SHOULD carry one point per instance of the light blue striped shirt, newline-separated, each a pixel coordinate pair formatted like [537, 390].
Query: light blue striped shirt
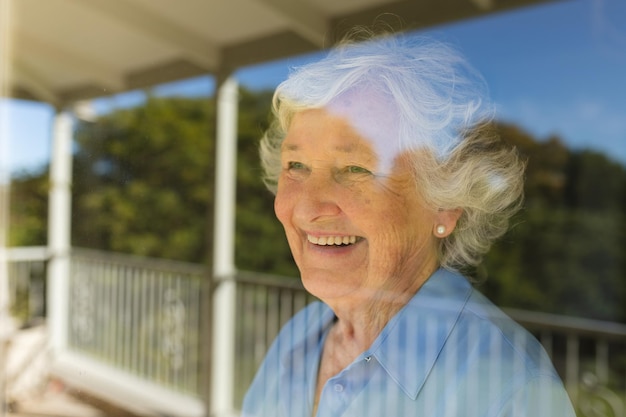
[448, 353]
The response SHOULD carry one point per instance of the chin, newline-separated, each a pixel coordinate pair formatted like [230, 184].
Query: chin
[327, 286]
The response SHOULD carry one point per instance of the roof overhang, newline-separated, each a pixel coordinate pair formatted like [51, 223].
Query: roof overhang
[63, 51]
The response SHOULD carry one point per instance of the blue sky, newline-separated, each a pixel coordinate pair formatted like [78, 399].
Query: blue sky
[553, 69]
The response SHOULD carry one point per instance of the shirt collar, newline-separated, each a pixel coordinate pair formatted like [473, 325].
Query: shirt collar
[410, 343]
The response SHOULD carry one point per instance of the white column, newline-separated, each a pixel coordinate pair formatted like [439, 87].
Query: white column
[5, 62]
[59, 228]
[6, 325]
[223, 337]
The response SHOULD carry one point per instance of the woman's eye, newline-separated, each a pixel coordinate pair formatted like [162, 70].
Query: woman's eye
[297, 170]
[293, 165]
[354, 169]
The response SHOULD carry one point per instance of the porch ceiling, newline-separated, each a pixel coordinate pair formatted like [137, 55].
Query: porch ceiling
[67, 50]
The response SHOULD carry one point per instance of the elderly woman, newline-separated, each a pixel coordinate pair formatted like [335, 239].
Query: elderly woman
[387, 183]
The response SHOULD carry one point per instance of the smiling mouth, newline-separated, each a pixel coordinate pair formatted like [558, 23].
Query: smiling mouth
[333, 240]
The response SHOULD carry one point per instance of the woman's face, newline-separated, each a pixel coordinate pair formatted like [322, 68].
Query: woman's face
[355, 223]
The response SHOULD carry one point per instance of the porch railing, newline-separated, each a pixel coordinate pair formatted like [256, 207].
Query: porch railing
[141, 318]
[27, 282]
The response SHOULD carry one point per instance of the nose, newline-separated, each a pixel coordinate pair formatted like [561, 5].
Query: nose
[318, 198]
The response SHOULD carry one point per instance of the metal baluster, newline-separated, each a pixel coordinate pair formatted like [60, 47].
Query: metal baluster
[572, 366]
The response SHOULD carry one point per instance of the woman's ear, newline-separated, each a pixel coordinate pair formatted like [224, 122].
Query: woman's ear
[445, 222]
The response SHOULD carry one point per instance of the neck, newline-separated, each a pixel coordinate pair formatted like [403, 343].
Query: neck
[356, 330]
[362, 316]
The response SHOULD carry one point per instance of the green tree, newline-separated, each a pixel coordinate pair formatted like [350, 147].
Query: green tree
[141, 180]
[28, 209]
[566, 251]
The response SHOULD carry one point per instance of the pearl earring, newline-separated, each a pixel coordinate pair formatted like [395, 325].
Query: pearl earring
[441, 229]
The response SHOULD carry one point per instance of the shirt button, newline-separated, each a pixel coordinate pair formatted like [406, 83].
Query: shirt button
[338, 388]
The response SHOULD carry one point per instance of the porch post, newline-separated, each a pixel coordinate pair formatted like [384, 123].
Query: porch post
[59, 227]
[223, 315]
[4, 197]
[5, 322]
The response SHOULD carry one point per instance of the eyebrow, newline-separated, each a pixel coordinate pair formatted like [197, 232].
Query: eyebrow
[350, 147]
[289, 147]
[347, 148]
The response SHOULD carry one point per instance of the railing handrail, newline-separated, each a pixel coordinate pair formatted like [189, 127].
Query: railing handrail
[536, 320]
[141, 261]
[27, 253]
[272, 280]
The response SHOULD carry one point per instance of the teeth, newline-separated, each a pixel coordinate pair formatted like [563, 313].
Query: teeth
[331, 240]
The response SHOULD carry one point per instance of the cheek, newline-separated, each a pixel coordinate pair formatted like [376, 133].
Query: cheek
[403, 222]
[280, 208]
[283, 204]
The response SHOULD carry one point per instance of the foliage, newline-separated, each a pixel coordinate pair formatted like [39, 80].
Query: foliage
[143, 185]
[141, 180]
[28, 210]
[566, 251]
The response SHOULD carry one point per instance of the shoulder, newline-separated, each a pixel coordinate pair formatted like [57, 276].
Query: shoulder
[291, 353]
[478, 329]
[503, 362]
[506, 337]
[315, 316]
[304, 327]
